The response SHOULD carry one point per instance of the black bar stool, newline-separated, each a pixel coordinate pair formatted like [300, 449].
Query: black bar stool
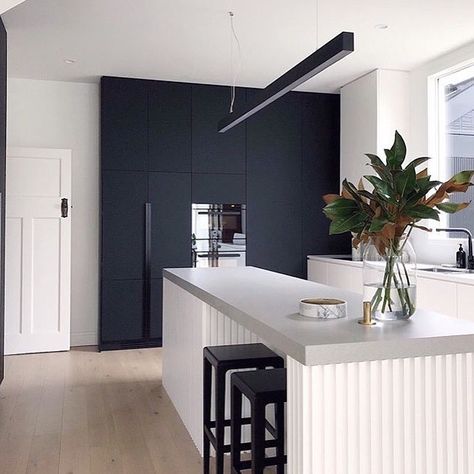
[261, 387]
[223, 359]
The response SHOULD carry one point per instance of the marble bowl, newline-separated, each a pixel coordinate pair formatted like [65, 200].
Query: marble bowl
[323, 308]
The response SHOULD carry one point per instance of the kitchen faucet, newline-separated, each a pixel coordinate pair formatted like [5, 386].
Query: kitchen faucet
[470, 257]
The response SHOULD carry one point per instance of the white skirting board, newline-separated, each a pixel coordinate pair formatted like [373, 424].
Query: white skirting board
[399, 416]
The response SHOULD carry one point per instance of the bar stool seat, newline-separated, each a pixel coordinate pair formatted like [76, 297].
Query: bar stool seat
[223, 359]
[261, 387]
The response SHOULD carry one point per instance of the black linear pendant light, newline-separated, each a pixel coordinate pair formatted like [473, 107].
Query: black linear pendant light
[336, 49]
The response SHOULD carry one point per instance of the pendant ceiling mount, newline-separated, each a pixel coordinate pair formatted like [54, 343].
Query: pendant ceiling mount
[333, 51]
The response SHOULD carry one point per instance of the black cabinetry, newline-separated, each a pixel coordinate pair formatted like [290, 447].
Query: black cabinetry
[146, 204]
[161, 152]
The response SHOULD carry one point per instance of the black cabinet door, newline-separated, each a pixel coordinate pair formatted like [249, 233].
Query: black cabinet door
[209, 188]
[215, 152]
[170, 198]
[320, 165]
[124, 194]
[156, 309]
[274, 196]
[121, 310]
[169, 109]
[124, 122]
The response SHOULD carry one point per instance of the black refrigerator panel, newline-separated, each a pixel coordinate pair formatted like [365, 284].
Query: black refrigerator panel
[122, 312]
[170, 201]
[216, 152]
[169, 127]
[124, 194]
[124, 124]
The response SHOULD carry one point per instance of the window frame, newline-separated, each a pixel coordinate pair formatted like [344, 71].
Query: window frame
[437, 167]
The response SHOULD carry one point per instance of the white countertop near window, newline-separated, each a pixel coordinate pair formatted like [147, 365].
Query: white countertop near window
[267, 304]
[465, 278]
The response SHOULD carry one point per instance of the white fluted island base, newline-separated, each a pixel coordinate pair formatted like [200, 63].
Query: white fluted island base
[412, 415]
[400, 416]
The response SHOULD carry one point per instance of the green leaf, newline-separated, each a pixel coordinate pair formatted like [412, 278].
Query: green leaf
[452, 207]
[398, 151]
[340, 208]
[405, 181]
[353, 223]
[463, 177]
[420, 211]
[380, 186]
[377, 224]
[379, 166]
[418, 161]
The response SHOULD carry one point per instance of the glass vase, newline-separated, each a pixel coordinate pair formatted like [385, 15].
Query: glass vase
[390, 279]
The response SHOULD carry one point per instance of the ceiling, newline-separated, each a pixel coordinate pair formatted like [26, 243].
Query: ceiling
[190, 41]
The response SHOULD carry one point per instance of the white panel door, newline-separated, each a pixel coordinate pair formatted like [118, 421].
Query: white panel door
[38, 251]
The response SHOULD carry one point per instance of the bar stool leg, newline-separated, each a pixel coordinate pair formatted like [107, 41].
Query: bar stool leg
[258, 437]
[207, 388]
[280, 429]
[236, 429]
[220, 419]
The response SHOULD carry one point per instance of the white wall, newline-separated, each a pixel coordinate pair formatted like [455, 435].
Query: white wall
[372, 108]
[358, 125]
[66, 115]
[431, 248]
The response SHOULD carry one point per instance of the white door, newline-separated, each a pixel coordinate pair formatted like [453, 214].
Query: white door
[38, 250]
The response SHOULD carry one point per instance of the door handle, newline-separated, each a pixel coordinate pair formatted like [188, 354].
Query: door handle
[64, 207]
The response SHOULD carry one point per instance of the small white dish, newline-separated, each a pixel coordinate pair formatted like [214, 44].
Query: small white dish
[323, 308]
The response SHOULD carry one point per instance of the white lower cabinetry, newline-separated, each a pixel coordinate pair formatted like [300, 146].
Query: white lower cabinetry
[465, 302]
[437, 295]
[443, 296]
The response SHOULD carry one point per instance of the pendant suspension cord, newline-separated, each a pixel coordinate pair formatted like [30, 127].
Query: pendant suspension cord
[317, 24]
[235, 71]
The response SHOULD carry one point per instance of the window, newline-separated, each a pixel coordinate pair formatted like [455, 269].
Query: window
[455, 136]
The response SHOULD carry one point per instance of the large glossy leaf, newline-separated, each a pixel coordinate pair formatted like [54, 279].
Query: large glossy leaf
[381, 186]
[353, 223]
[452, 207]
[405, 181]
[328, 198]
[462, 177]
[379, 166]
[340, 208]
[420, 211]
[399, 151]
[377, 224]
[418, 161]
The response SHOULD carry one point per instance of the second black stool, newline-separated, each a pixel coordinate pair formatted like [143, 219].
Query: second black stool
[223, 359]
[261, 387]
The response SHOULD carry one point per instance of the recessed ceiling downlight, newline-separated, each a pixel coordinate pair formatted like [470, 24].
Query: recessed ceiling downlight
[381, 26]
[69, 61]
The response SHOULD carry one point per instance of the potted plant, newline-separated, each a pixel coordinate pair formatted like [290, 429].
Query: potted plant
[384, 218]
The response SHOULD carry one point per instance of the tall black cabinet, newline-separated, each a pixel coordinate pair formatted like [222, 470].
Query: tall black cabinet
[161, 152]
[146, 204]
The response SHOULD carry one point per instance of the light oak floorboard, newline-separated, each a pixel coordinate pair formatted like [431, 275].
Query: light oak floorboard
[85, 412]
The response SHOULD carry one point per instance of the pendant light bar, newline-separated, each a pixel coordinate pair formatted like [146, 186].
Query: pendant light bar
[322, 58]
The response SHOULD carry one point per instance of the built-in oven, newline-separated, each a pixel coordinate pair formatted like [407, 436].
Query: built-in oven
[218, 235]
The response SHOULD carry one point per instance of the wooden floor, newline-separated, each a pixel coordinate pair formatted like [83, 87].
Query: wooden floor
[89, 412]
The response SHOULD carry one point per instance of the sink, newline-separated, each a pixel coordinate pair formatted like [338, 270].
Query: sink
[446, 270]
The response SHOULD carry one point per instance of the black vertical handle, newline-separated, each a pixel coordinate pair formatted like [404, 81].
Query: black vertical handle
[64, 207]
[147, 273]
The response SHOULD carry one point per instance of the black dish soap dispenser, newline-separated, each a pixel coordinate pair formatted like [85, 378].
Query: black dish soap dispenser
[460, 257]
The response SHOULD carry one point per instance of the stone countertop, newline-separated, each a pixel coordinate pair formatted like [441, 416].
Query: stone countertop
[267, 304]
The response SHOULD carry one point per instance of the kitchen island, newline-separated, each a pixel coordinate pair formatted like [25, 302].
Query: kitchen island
[394, 398]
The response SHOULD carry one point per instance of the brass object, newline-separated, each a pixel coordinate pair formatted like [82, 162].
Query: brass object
[367, 317]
